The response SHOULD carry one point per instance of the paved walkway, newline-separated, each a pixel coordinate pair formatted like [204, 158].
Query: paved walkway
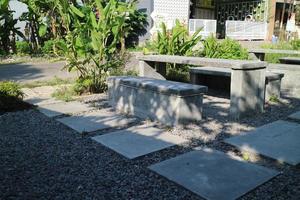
[209, 173]
[29, 72]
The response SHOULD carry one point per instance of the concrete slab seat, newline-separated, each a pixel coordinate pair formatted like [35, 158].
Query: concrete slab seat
[261, 53]
[170, 103]
[290, 60]
[220, 79]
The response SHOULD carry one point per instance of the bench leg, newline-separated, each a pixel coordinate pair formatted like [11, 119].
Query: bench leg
[260, 56]
[247, 92]
[147, 69]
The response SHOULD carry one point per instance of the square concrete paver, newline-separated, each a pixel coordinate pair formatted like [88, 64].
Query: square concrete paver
[295, 116]
[57, 109]
[138, 141]
[96, 120]
[279, 140]
[213, 175]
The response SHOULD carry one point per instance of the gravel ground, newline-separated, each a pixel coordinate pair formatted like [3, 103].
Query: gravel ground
[43, 159]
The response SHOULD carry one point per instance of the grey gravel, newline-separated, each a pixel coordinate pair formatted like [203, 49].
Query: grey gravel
[43, 159]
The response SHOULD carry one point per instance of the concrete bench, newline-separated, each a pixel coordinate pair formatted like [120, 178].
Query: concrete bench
[290, 60]
[219, 78]
[170, 103]
[261, 53]
[247, 78]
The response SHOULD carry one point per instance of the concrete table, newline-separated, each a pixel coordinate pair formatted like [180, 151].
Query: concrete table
[219, 78]
[247, 78]
[261, 53]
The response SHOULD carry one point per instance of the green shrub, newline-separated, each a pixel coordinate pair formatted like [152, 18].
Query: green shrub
[176, 41]
[23, 48]
[282, 45]
[83, 85]
[226, 49]
[295, 44]
[11, 97]
[12, 89]
[64, 93]
[179, 75]
[48, 47]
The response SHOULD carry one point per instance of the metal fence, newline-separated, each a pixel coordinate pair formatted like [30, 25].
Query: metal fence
[209, 26]
[246, 30]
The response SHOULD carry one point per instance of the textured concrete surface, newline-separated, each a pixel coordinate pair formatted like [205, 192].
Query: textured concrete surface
[290, 84]
[29, 72]
[170, 103]
[138, 141]
[213, 174]
[96, 120]
[279, 140]
[57, 109]
[295, 116]
[247, 79]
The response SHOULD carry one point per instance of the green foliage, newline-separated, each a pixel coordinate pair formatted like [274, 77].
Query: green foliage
[11, 97]
[137, 23]
[274, 99]
[8, 31]
[48, 47]
[226, 49]
[83, 85]
[53, 82]
[282, 45]
[93, 38]
[23, 48]
[176, 41]
[64, 93]
[12, 89]
[295, 44]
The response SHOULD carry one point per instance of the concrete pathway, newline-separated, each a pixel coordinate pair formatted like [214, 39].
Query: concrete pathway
[30, 72]
[279, 140]
[213, 174]
[139, 141]
[96, 120]
[295, 116]
[57, 109]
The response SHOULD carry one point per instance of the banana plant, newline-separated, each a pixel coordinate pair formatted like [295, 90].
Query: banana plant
[7, 27]
[177, 41]
[94, 32]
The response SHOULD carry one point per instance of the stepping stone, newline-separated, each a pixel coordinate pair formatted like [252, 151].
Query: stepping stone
[96, 120]
[138, 141]
[39, 96]
[279, 140]
[57, 109]
[213, 174]
[37, 101]
[295, 116]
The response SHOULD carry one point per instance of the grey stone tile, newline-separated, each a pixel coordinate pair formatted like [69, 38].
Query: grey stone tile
[213, 174]
[96, 120]
[139, 141]
[279, 140]
[295, 116]
[57, 109]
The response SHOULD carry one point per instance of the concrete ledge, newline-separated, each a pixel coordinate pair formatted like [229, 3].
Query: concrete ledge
[168, 102]
[290, 60]
[200, 61]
